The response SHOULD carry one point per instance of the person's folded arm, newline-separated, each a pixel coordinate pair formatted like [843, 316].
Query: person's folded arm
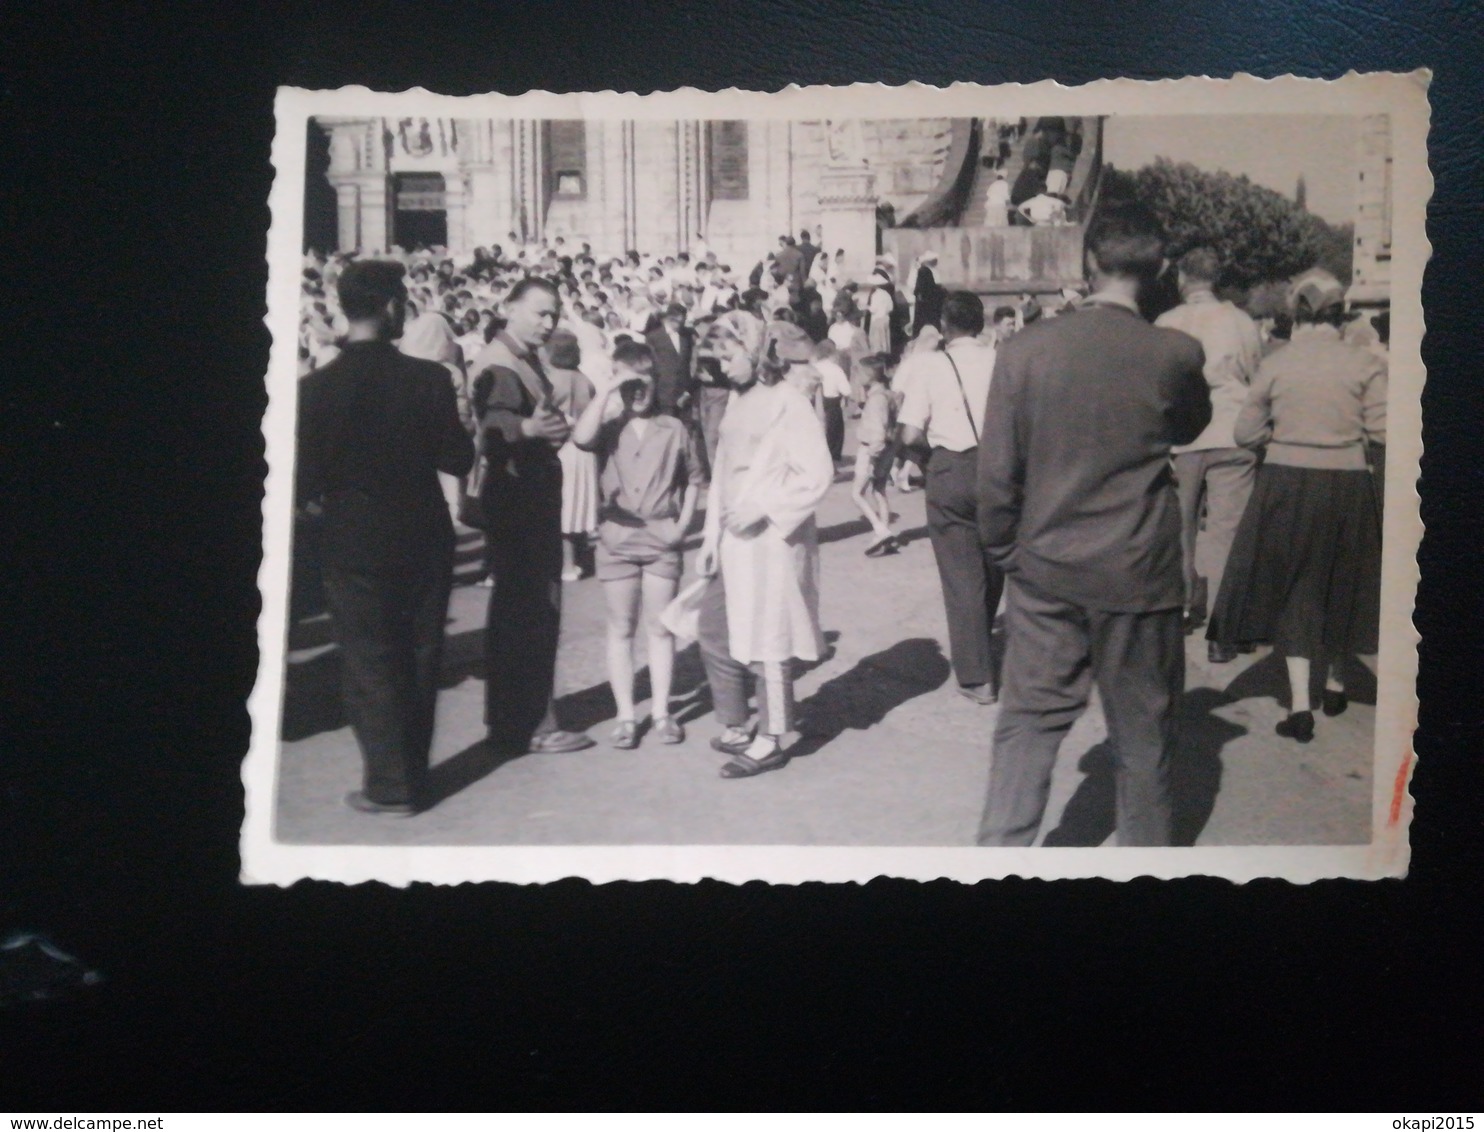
[1254, 425]
[503, 413]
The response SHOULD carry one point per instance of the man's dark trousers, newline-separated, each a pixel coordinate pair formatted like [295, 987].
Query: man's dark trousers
[1056, 651]
[389, 625]
[972, 584]
[525, 611]
[834, 426]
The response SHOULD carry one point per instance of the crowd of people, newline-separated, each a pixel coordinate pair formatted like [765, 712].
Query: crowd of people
[580, 409]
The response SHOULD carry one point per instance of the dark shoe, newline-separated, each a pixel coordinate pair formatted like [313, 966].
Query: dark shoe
[358, 801]
[982, 694]
[558, 743]
[881, 549]
[1334, 703]
[732, 747]
[1217, 653]
[1192, 621]
[745, 766]
[1299, 727]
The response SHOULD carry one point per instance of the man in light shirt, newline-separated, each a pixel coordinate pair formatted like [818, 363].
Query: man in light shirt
[835, 390]
[944, 405]
[1213, 467]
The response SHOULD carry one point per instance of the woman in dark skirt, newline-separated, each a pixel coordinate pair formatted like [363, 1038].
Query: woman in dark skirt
[1305, 567]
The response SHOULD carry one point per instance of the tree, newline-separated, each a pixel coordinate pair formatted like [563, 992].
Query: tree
[1260, 235]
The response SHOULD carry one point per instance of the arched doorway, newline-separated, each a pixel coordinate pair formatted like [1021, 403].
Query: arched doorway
[421, 216]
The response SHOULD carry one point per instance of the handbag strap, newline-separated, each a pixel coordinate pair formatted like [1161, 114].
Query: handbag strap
[973, 424]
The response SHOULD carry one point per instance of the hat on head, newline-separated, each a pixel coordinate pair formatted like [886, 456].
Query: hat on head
[879, 278]
[1317, 289]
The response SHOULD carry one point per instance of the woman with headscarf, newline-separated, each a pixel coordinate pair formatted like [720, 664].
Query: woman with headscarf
[571, 392]
[760, 546]
[1304, 571]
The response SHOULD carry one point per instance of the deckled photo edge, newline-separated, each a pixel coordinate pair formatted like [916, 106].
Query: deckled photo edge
[1403, 96]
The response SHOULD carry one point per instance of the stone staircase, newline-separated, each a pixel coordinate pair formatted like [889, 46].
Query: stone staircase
[975, 212]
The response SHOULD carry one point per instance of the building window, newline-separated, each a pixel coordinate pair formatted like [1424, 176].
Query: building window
[566, 159]
[726, 149]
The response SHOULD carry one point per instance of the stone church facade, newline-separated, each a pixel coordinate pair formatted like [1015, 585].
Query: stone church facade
[654, 186]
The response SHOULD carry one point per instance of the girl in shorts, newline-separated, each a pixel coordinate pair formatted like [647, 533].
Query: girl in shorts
[648, 483]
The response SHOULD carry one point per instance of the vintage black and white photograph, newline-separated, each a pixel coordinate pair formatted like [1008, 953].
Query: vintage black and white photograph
[843, 482]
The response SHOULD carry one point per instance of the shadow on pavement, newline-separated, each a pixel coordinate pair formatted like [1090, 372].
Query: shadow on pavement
[311, 688]
[1195, 777]
[690, 694]
[835, 532]
[1268, 679]
[848, 529]
[865, 695]
[460, 771]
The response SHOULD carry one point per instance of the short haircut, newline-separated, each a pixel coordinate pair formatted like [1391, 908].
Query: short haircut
[1003, 312]
[1127, 239]
[532, 283]
[824, 348]
[1201, 263]
[963, 311]
[636, 356]
[366, 286]
[675, 310]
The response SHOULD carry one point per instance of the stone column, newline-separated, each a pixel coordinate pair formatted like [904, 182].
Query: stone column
[348, 216]
[847, 207]
[690, 208]
[528, 209]
[453, 204]
[358, 173]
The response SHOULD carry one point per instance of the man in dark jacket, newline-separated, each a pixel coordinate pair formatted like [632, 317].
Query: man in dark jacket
[375, 429]
[672, 342]
[521, 430]
[1077, 503]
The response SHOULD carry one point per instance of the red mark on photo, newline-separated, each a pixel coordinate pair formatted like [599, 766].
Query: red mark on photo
[1399, 791]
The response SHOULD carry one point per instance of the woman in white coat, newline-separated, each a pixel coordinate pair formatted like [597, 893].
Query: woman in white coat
[761, 550]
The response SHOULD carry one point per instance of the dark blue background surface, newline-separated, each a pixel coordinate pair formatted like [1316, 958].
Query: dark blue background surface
[135, 209]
